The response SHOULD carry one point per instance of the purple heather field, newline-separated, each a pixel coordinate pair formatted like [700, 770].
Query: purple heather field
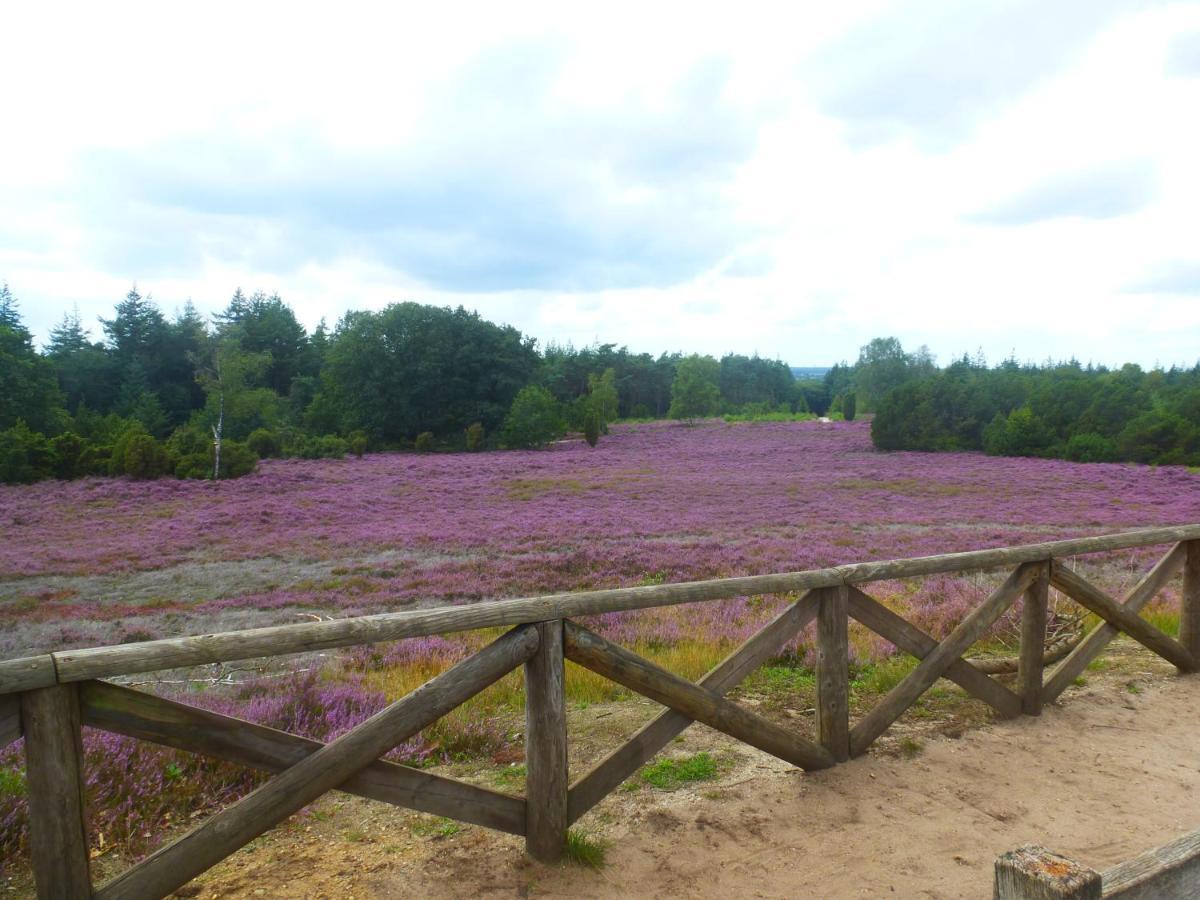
[102, 561]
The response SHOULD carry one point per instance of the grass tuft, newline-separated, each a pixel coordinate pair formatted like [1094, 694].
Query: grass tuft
[583, 849]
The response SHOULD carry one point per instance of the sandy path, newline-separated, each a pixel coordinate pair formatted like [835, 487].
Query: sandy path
[1107, 775]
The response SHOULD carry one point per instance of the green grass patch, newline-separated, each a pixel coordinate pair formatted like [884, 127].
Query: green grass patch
[879, 678]
[511, 777]
[584, 849]
[435, 827]
[671, 774]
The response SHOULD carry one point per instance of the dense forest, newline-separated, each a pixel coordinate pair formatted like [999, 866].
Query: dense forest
[198, 398]
[1057, 410]
[185, 396]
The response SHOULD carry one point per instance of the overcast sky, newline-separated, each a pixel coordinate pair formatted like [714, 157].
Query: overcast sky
[1013, 176]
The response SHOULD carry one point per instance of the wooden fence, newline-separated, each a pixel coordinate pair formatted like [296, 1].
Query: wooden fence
[48, 698]
[1169, 872]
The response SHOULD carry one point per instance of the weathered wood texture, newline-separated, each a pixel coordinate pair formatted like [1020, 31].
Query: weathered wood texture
[1091, 646]
[27, 673]
[125, 659]
[1189, 607]
[934, 665]
[10, 719]
[833, 673]
[1033, 643]
[149, 718]
[226, 831]
[628, 669]
[546, 780]
[1170, 872]
[913, 641]
[1034, 873]
[58, 847]
[652, 737]
[1088, 595]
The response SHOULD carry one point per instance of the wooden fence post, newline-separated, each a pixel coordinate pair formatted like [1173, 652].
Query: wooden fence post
[1033, 643]
[546, 747]
[1034, 873]
[833, 673]
[53, 765]
[1189, 606]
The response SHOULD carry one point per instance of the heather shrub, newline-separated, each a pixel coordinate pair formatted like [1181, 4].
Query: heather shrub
[265, 443]
[475, 436]
[424, 442]
[357, 442]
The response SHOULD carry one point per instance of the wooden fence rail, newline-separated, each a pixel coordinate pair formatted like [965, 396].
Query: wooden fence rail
[47, 699]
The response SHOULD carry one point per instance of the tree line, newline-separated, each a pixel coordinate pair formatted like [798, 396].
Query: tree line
[194, 397]
[1060, 410]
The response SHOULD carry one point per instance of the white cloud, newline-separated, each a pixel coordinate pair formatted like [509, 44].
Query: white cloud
[791, 180]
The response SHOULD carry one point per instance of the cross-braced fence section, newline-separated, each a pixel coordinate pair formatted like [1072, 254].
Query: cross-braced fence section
[48, 699]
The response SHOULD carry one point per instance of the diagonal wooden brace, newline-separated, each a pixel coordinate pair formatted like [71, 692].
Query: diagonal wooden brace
[1088, 595]
[939, 660]
[1091, 646]
[149, 718]
[628, 669]
[914, 641]
[656, 734]
[207, 844]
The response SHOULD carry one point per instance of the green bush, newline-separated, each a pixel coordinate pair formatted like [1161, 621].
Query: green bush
[68, 448]
[849, 406]
[533, 420]
[265, 443]
[142, 457]
[1091, 448]
[591, 428]
[424, 442]
[475, 436]
[237, 459]
[1158, 436]
[357, 442]
[25, 455]
[1021, 433]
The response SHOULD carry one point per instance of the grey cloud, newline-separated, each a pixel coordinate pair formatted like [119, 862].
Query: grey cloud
[1179, 277]
[1095, 194]
[933, 68]
[505, 188]
[1184, 57]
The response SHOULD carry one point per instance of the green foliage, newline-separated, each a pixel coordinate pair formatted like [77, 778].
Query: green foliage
[696, 392]
[357, 442]
[140, 456]
[67, 450]
[237, 459]
[849, 406]
[424, 442]
[534, 419]
[25, 455]
[329, 446]
[475, 436]
[1159, 436]
[602, 399]
[591, 427]
[1091, 447]
[1020, 433]
[265, 443]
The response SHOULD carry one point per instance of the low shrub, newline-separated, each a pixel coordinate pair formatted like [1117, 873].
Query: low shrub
[475, 436]
[265, 443]
[357, 442]
[424, 442]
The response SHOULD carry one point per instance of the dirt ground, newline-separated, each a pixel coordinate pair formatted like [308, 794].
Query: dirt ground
[1112, 770]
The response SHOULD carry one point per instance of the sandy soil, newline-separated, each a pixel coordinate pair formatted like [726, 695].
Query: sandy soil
[1111, 772]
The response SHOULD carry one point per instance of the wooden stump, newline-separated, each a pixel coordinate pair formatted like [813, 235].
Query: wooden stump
[1034, 873]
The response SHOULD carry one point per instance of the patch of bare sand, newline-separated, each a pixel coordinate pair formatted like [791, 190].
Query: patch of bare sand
[1110, 773]
[1100, 779]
